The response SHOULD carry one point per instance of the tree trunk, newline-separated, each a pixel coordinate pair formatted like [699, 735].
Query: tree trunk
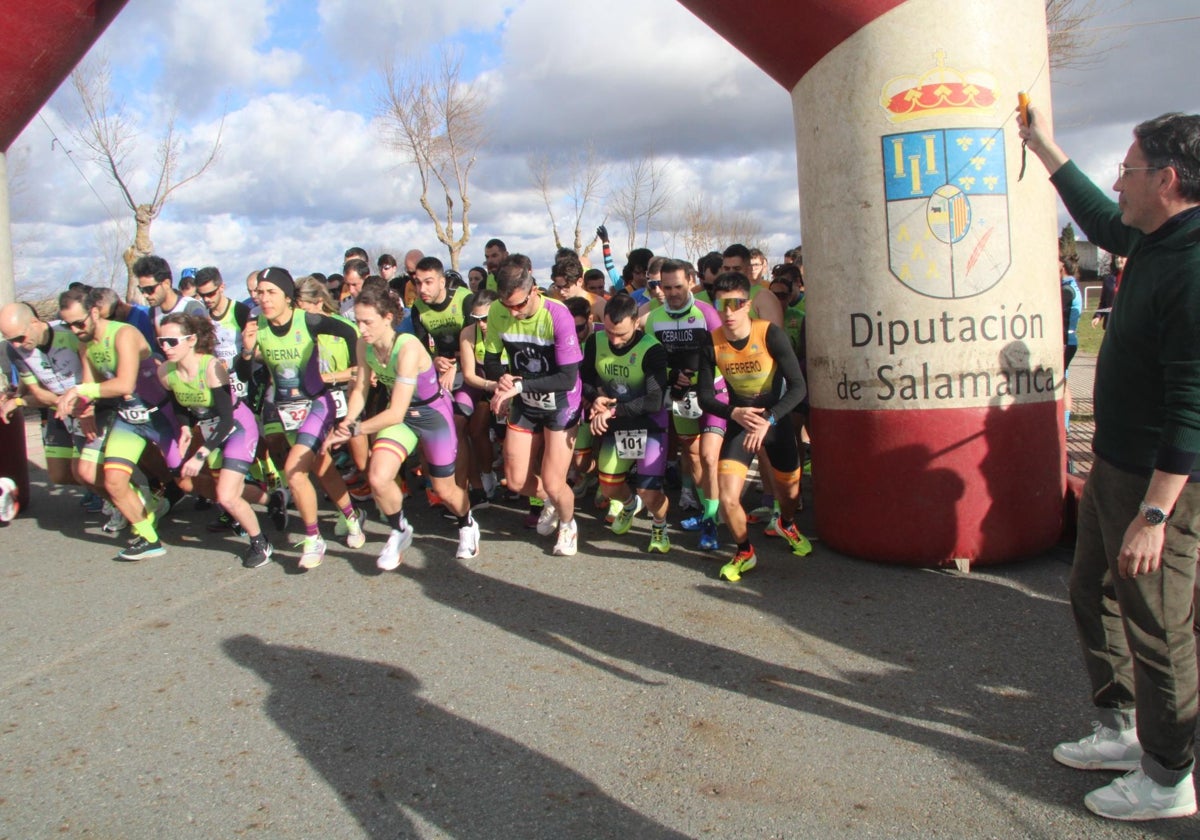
[141, 247]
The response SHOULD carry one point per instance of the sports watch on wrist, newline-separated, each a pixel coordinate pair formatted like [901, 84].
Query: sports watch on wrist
[1153, 515]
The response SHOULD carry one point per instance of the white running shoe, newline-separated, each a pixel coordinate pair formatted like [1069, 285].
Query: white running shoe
[313, 552]
[116, 520]
[355, 538]
[468, 541]
[548, 519]
[1104, 749]
[1136, 797]
[9, 504]
[568, 539]
[389, 557]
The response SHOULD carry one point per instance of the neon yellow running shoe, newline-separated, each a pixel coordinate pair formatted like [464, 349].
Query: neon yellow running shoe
[659, 541]
[741, 563]
[624, 518]
[799, 543]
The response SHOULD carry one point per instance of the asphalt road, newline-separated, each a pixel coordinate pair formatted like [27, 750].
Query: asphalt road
[526, 696]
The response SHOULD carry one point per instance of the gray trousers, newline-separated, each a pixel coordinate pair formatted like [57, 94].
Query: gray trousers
[1136, 633]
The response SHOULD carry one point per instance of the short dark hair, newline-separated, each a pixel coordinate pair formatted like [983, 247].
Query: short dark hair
[737, 250]
[430, 264]
[386, 261]
[786, 273]
[592, 274]
[520, 260]
[484, 297]
[78, 295]
[671, 266]
[152, 266]
[639, 257]
[620, 307]
[382, 299]
[355, 253]
[188, 282]
[579, 307]
[360, 267]
[731, 281]
[796, 255]
[568, 267]
[710, 263]
[1174, 140]
[496, 243]
[208, 274]
[513, 276]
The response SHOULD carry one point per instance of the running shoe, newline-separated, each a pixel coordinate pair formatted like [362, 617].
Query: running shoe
[258, 554]
[1105, 749]
[312, 552]
[692, 523]
[772, 529]
[91, 502]
[568, 539]
[600, 501]
[389, 557]
[759, 514]
[490, 484]
[659, 541]
[584, 486]
[614, 510]
[360, 491]
[741, 563]
[116, 520]
[355, 538]
[225, 522]
[688, 500]
[625, 515]
[468, 541]
[708, 535]
[1137, 797]
[433, 498]
[798, 542]
[548, 520]
[140, 548]
[277, 508]
[9, 503]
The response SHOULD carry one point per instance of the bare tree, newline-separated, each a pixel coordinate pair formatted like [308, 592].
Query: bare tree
[573, 182]
[706, 226]
[1071, 42]
[640, 196]
[111, 136]
[435, 119]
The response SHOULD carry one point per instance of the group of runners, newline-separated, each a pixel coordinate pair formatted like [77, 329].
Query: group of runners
[578, 390]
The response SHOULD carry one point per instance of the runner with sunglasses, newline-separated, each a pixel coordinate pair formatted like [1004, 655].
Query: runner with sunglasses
[419, 412]
[539, 389]
[477, 388]
[286, 339]
[120, 372]
[204, 396]
[765, 385]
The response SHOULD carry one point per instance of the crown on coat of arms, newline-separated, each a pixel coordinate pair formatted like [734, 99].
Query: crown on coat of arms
[939, 90]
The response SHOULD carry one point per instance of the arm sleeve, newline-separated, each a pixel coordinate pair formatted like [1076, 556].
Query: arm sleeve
[223, 403]
[789, 366]
[324, 325]
[587, 369]
[654, 364]
[611, 267]
[706, 388]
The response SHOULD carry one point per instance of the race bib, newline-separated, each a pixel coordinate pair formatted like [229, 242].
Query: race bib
[545, 402]
[239, 387]
[138, 415]
[631, 444]
[688, 407]
[292, 414]
[208, 427]
[339, 403]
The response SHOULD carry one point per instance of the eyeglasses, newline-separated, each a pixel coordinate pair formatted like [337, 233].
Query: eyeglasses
[1122, 169]
[581, 328]
[148, 290]
[172, 341]
[732, 304]
[77, 325]
[209, 295]
[653, 284]
[513, 307]
[476, 319]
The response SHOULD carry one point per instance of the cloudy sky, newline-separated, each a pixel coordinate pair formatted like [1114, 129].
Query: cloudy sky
[303, 171]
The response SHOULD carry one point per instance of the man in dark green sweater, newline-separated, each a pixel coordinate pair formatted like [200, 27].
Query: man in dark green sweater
[1139, 517]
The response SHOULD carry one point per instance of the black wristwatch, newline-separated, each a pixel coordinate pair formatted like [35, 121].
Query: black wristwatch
[1153, 515]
